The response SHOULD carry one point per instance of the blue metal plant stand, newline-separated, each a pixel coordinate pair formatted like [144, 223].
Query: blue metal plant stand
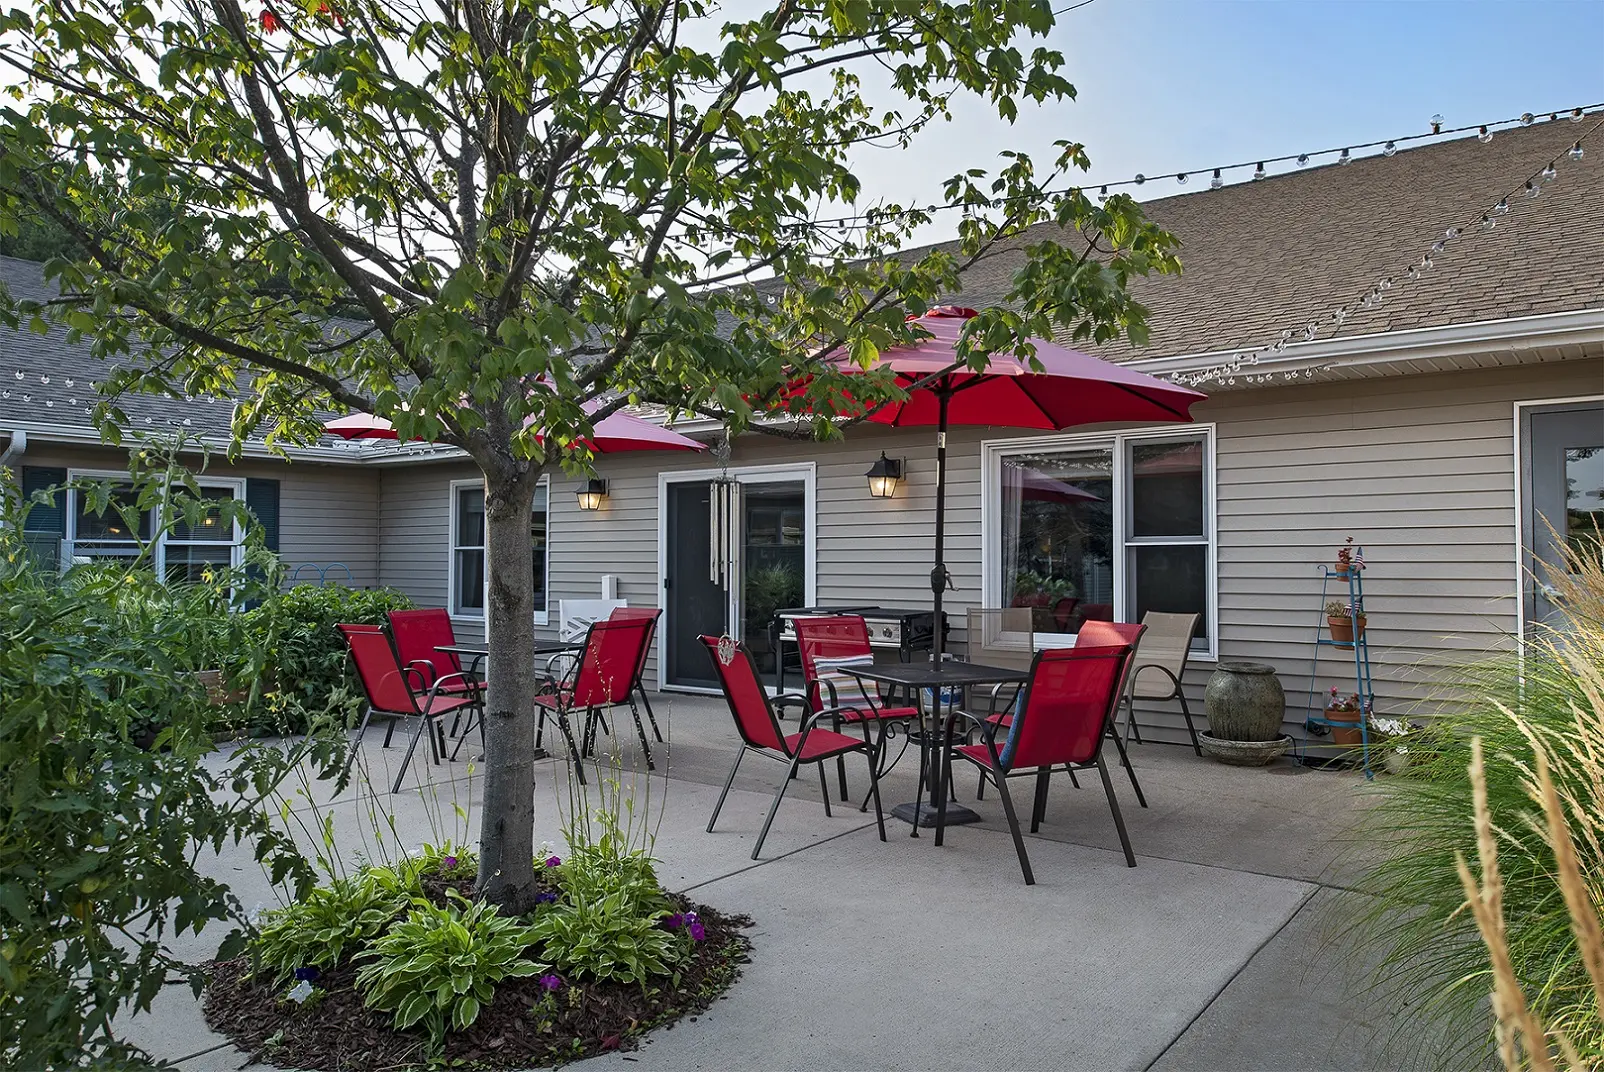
[1364, 686]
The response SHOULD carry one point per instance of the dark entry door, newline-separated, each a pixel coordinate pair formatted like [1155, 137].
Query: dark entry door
[1564, 496]
[696, 603]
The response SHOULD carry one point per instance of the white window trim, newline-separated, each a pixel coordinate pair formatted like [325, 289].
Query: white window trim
[992, 453]
[542, 614]
[235, 485]
[1523, 408]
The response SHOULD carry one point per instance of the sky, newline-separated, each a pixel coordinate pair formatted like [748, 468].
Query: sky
[1172, 85]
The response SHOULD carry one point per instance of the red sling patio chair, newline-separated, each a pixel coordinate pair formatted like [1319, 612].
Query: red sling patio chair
[651, 614]
[605, 675]
[761, 733]
[1065, 712]
[830, 646]
[392, 693]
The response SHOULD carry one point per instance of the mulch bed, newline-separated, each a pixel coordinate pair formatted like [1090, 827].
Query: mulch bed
[337, 1034]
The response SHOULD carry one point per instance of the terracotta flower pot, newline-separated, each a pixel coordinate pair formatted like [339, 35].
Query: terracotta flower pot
[1343, 630]
[1345, 728]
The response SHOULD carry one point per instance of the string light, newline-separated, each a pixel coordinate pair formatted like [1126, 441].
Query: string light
[1225, 373]
[1436, 123]
[1389, 149]
[1180, 179]
[1303, 158]
[1526, 119]
[1484, 136]
[1216, 182]
[1345, 158]
[1258, 172]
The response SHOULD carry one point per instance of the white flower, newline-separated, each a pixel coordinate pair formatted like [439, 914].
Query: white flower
[300, 991]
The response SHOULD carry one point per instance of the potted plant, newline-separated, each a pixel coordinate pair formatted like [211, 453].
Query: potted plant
[1344, 713]
[1348, 560]
[1346, 627]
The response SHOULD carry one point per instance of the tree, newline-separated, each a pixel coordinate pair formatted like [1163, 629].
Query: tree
[536, 205]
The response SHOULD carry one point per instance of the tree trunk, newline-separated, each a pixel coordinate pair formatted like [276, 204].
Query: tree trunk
[507, 822]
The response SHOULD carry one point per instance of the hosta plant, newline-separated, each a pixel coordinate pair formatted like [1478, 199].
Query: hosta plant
[439, 966]
[331, 921]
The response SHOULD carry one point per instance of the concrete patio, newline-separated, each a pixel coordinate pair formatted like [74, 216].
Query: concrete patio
[1216, 952]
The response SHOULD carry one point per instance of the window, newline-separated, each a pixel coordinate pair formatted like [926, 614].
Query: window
[468, 579]
[1104, 527]
[183, 553]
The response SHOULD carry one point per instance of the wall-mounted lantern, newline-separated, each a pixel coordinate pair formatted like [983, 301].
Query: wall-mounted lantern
[884, 476]
[592, 495]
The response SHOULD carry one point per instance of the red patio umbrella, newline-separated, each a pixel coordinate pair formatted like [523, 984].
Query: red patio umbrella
[1071, 388]
[615, 433]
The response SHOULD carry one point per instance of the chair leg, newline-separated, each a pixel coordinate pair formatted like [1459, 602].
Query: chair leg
[1038, 810]
[840, 766]
[874, 787]
[640, 731]
[824, 790]
[1190, 728]
[1119, 820]
[1013, 827]
[388, 731]
[1074, 781]
[573, 748]
[775, 807]
[1130, 773]
[361, 731]
[727, 783]
[540, 727]
[650, 717]
[1131, 728]
[423, 724]
[980, 788]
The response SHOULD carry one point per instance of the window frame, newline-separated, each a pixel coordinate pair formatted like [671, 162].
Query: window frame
[1119, 443]
[543, 613]
[234, 485]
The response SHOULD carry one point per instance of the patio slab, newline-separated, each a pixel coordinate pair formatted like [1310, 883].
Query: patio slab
[903, 956]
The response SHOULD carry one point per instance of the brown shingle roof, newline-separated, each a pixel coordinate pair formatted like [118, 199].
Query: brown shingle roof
[1262, 257]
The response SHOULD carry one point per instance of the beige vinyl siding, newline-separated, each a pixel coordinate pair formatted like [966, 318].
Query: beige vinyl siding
[1420, 469]
[327, 513]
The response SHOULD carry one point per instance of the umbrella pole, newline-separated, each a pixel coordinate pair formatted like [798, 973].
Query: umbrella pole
[940, 579]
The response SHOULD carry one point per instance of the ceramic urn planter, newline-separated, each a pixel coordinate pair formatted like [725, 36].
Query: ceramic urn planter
[1245, 705]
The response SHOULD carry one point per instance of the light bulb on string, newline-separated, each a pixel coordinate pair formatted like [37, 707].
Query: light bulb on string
[1102, 195]
[1181, 178]
[1549, 173]
[1502, 206]
[1527, 119]
[1451, 234]
[1216, 182]
[1488, 223]
[1438, 246]
[1389, 149]
[1385, 284]
[1576, 151]
[1532, 189]
[1412, 273]
[1576, 115]
[1425, 261]
[1484, 135]
[1345, 158]
[1303, 158]
[1258, 172]
[1140, 178]
[1436, 123]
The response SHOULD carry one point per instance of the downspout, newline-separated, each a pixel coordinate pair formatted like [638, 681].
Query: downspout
[15, 448]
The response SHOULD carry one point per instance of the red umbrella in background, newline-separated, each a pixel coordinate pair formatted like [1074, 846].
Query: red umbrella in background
[613, 434]
[1036, 486]
[1071, 388]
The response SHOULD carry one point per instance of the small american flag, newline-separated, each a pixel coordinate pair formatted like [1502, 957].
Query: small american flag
[1358, 558]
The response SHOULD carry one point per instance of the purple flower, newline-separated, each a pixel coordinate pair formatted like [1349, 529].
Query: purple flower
[449, 863]
[676, 921]
[698, 932]
[547, 897]
[307, 974]
[554, 861]
[550, 982]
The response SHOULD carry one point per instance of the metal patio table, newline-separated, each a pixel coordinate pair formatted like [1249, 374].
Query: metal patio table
[472, 655]
[916, 677]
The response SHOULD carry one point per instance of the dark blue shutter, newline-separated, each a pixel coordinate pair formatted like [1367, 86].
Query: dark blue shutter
[261, 496]
[46, 526]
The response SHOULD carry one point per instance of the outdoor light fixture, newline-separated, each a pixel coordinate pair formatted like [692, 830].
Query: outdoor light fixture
[884, 476]
[592, 494]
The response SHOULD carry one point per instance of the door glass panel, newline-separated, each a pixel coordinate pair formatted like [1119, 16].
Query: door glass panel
[696, 602]
[773, 562]
[1058, 536]
[1584, 499]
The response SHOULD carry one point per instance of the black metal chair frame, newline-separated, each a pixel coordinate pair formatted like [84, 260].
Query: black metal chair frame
[999, 776]
[794, 761]
[1176, 693]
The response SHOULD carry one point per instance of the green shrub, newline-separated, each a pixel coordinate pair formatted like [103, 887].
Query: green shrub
[439, 966]
[310, 667]
[607, 936]
[98, 835]
[330, 922]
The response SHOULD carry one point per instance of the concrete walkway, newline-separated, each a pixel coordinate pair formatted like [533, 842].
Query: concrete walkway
[1213, 953]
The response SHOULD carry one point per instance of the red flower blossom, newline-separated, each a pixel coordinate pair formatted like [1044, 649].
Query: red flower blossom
[271, 22]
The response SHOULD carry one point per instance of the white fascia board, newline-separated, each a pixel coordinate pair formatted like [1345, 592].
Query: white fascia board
[45, 432]
[1396, 347]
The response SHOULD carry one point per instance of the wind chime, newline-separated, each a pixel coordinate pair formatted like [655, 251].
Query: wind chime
[722, 493]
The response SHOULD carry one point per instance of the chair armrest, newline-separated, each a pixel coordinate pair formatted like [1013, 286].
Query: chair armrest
[829, 712]
[996, 690]
[423, 681]
[1175, 682]
[425, 667]
[790, 699]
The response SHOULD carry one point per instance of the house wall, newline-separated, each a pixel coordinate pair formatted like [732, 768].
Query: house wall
[327, 513]
[1419, 469]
